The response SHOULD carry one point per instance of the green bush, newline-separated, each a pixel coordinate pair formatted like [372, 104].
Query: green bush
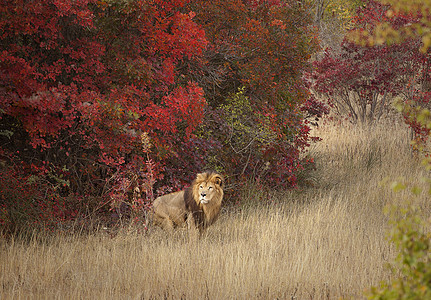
[411, 270]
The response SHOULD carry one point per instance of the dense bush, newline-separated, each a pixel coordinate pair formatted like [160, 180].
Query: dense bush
[108, 97]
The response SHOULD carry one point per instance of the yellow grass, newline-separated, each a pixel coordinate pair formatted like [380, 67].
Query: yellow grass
[325, 242]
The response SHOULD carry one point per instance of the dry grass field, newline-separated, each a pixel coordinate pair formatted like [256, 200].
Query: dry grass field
[324, 242]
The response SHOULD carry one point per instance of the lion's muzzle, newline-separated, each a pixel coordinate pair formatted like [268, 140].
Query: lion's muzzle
[202, 198]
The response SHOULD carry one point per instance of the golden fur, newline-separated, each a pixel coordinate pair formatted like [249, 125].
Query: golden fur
[197, 206]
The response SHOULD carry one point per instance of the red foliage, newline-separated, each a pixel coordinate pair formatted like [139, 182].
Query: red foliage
[372, 13]
[362, 79]
[81, 81]
[30, 198]
[265, 47]
[413, 107]
[106, 96]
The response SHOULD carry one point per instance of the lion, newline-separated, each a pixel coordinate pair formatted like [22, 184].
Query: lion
[195, 207]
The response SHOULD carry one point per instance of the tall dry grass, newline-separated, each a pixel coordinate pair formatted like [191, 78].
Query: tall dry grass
[323, 242]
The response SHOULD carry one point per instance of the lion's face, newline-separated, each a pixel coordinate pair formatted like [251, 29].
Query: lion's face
[206, 192]
[209, 187]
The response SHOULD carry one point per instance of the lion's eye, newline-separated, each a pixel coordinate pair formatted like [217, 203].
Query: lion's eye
[201, 187]
[210, 188]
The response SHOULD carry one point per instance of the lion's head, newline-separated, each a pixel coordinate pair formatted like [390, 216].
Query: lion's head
[208, 188]
[199, 205]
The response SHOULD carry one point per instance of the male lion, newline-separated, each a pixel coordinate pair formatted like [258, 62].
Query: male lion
[197, 206]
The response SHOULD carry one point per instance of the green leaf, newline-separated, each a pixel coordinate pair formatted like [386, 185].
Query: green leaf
[416, 190]
[398, 186]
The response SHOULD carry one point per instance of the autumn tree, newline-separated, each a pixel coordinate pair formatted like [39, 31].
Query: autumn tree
[385, 32]
[361, 80]
[255, 59]
[81, 82]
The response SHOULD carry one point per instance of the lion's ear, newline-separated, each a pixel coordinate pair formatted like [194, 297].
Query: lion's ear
[200, 176]
[219, 181]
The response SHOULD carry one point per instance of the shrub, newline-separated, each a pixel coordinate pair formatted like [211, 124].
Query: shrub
[411, 269]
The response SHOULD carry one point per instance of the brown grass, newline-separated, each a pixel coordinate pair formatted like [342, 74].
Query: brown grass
[325, 242]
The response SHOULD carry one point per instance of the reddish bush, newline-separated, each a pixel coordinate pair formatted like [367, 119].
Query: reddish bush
[263, 46]
[362, 79]
[81, 81]
[87, 86]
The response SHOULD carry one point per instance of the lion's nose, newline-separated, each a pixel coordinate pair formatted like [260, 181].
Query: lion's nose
[203, 194]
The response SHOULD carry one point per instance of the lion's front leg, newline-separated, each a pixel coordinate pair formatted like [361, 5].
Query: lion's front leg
[190, 221]
[164, 222]
[191, 227]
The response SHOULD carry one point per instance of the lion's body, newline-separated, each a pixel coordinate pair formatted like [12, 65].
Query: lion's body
[197, 206]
